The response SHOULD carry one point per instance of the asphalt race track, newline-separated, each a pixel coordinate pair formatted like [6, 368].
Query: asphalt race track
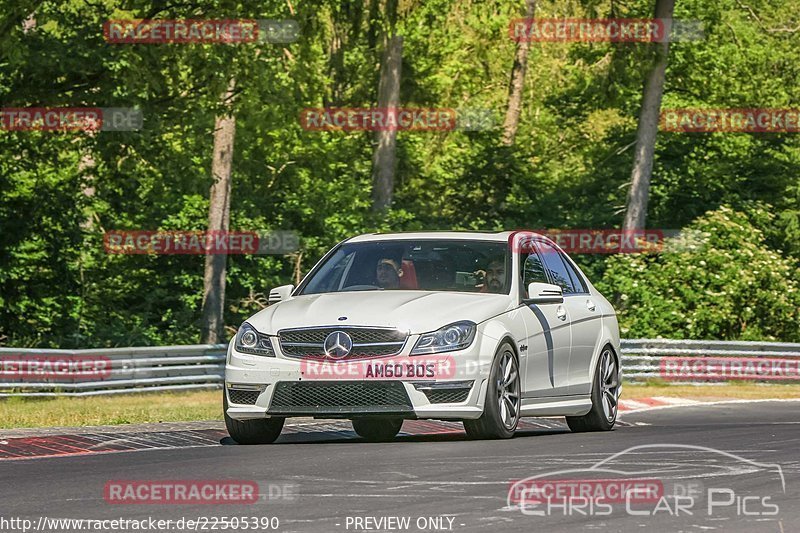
[321, 477]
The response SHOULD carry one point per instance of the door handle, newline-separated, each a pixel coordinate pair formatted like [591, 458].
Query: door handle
[561, 313]
[590, 305]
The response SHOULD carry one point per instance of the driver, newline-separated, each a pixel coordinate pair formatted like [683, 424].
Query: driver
[388, 273]
[494, 279]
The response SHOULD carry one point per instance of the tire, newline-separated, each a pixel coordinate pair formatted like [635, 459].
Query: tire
[255, 431]
[503, 399]
[605, 396]
[377, 429]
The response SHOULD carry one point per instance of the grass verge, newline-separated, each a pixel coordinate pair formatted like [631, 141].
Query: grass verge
[16, 412]
[743, 390]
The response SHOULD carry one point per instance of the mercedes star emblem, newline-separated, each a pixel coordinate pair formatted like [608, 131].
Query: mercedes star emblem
[338, 344]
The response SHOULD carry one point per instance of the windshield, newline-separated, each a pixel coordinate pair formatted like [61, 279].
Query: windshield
[424, 265]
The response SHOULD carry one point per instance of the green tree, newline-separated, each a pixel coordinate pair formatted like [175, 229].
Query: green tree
[719, 280]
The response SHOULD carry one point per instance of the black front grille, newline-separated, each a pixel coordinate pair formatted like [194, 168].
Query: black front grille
[244, 397]
[447, 395]
[367, 342]
[314, 397]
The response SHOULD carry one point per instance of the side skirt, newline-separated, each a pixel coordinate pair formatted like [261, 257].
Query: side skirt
[556, 406]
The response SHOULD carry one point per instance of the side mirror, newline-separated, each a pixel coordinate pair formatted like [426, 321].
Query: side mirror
[279, 294]
[544, 293]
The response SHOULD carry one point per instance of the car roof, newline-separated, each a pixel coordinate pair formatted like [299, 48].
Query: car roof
[491, 236]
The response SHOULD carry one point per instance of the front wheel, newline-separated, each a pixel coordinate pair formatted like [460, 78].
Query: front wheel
[502, 406]
[605, 397]
[377, 429]
[255, 431]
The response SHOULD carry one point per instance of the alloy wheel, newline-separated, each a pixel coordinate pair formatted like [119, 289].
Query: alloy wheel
[508, 396]
[609, 385]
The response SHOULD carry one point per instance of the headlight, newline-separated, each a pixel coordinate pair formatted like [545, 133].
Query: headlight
[248, 340]
[452, 337]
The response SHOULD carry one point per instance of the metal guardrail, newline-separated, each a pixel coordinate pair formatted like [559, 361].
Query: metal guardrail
[643, 358]
[202, 366]
[159, 368]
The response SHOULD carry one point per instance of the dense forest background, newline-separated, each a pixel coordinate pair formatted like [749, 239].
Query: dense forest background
[736, 194]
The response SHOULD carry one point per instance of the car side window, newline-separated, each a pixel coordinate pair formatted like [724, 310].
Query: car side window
[577, 279]
[533, 271]
[556, 268]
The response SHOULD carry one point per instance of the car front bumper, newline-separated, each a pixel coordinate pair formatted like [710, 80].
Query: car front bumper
[259, 387]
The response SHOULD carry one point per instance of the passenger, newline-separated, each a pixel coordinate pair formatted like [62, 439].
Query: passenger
[388, 273]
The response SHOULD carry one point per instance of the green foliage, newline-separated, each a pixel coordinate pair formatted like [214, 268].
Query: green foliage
[569, 167]
[719, 280]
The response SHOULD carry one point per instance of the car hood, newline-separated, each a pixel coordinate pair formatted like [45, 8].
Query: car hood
[415, 311]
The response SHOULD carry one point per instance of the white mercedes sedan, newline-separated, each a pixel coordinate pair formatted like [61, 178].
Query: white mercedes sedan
[483, 328]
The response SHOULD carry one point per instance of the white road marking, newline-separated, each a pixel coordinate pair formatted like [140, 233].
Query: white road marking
[676, 401]
[703, 404]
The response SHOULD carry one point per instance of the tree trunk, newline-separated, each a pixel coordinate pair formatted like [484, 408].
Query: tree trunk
[636, 212]
[384, 160]
[336, 65]
[218, 221]
[517, 83]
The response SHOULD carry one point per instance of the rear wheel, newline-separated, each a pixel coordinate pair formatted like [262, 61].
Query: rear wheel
[605, 397]
[502, 406]
[255, 431]
[377, 429]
